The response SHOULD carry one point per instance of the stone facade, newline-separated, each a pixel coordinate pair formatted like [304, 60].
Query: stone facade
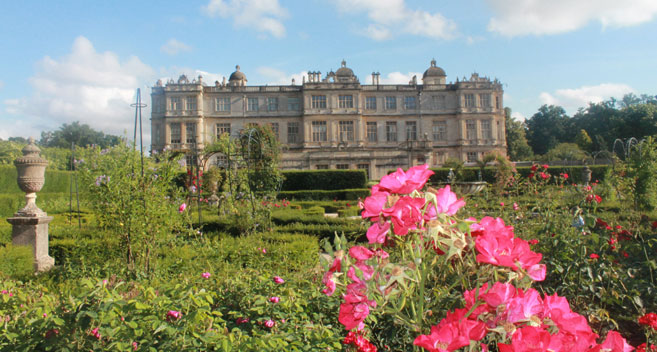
[334, 122]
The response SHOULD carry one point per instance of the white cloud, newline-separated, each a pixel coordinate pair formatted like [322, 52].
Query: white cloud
[392, 16]
[518, 116]
[263, 15]
[277, 77]
[88, 86]
[573, 99]
[526, 17]
[397, 78]
[174, 46]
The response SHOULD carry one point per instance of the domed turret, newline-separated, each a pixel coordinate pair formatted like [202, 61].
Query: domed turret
[345, 74]
[434, 74]
[237, 78]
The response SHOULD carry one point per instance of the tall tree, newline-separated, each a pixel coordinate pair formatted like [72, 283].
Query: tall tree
[80, 135]
[516, 140]
[548, 127]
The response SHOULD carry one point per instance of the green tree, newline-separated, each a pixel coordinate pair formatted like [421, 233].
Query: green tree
[565, 151]
[547, 128]
[516, 139]
[583, 141]
[77, 134]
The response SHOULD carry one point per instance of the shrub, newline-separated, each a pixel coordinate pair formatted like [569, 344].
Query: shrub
[56, 181]
[316, 210]
[342, 194]
[17, 261]
[296, 180]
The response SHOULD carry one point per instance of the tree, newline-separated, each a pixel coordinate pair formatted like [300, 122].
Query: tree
[565, 151]
[77, 134]
[583, 141]
[516, 139]
[547, 128]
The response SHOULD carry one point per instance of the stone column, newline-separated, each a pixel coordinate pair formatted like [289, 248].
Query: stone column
[30, 224]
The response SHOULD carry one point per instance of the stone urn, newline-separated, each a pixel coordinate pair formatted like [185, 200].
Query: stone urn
[586, 175]
[31, 170]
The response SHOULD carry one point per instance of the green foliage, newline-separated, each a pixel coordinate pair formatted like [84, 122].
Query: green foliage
[135, 207]
[316, 210]
[55, 180]
[342, 194]
[17, 262]
[469, 174]
[565, 151]
[79, 135]
[296, 180]
[641, 172]
[547, 128]
[516, 139]
[584, 142]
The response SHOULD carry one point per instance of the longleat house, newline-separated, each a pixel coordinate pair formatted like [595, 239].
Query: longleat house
[335, 122]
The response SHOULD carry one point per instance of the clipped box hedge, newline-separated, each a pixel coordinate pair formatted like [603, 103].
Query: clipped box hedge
[296, 180]
[10, 203]
[470, 174]
[342, 194]
[56, 180]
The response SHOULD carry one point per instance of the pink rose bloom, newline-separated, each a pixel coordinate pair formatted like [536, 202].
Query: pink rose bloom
[501, 204]
[405, 214]
[182, 208]
[270, 323]
[447, 201]
[241, 320]
[278, 280]
[206, 275]
[374, 204]
[377, 232]
[616, 343]
[173, 315]
[95, 333]
[274, 299]
[360, 253]
[515, 206]
[401, 182]
[134, 346]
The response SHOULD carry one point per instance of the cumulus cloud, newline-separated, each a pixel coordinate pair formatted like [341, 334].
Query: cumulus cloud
[573, 99]
[392, 16]
[527, 17]
[518, 116]
[174, 46]
[263, 15]
[277, 77]
[95, 88]
[396, 78]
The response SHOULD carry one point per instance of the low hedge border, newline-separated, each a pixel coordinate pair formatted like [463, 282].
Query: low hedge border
[470, 174]
[342, 194]
[328, 180]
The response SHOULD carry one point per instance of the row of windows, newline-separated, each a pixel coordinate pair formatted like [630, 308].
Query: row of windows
[292, 130]
[470, 101]
[344, 102]
[176, 133]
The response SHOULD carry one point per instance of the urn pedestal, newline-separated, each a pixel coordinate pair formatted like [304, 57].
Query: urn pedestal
[30, 224]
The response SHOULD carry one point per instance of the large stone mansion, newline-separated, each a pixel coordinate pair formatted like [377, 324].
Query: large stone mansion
[335, 122]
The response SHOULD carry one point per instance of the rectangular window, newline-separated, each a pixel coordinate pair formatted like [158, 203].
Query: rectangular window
[321, 167]
[175, 133]
[346, 131]
[319, 131]
[365, 167]
[342, 166]
[438, 102]
[391, 131]
[497, 102]
[190, 103]
[252, 104]
[471, 129]
[410, 103]
[292, 132]
[391, 103]
[469, 100]
[176, 103]
[190, 160]
[293, 104]
[370, 103]
[223, 128]
[272, 104]
[486, 131]
[484, 100]
[345, 101]
[372, 132]
[411, 130]
[318, 102]
[472, 157]
[222, 104]
[221, 160]
[190, 133]
[274, 128]
[439, 129]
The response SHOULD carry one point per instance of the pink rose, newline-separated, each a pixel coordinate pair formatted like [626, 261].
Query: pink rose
[270, 323]
[274, 299]
[278, 280]
[206, 275]
[182, 208]
[173, 315]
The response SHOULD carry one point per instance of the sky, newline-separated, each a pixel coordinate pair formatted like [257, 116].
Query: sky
[64, 61]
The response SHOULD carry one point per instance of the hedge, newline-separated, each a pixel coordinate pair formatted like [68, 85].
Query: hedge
[296, 180]
[342, 194]
[10, 203]
[17, 261]
[56, 180]
[470, 174]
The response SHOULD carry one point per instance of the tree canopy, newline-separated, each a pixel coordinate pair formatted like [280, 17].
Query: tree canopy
[79, 135]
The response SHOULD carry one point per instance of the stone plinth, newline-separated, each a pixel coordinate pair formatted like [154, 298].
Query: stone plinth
[33, 231]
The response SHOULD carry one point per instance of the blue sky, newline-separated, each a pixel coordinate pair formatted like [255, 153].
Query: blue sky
[65, 61]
